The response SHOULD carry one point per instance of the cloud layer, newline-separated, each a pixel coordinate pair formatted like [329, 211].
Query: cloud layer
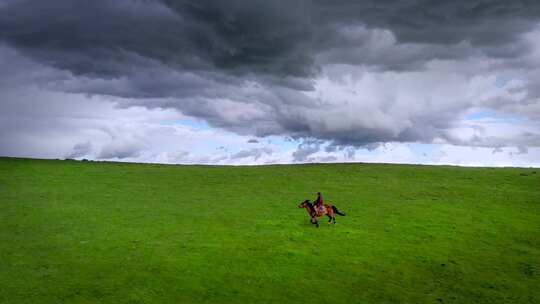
[342, 73]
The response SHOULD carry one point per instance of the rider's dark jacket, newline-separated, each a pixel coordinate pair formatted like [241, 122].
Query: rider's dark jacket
[319, 200]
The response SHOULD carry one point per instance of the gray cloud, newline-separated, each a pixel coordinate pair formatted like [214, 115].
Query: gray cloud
[121, 149]
[251, 37]
[306, 149]
[256, 153]
[80, 150]
[347, 72]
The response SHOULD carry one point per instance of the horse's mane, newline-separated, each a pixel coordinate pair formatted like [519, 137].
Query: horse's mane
[310, 205]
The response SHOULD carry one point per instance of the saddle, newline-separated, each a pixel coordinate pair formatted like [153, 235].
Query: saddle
[319, 210]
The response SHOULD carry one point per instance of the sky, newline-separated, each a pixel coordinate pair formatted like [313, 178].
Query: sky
[264, 82]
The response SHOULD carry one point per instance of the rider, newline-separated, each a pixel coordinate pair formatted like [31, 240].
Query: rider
[319, 203]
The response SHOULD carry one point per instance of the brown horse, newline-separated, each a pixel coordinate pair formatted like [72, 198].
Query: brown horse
[329, 210]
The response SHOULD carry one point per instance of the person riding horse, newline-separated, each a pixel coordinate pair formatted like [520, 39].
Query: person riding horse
[319, 204]
[319, 209]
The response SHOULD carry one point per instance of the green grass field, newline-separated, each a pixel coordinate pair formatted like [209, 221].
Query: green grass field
[91, 232]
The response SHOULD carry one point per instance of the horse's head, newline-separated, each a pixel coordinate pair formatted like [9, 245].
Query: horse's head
[304, 204]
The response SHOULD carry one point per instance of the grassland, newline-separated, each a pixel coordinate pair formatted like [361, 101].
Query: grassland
[88, 232]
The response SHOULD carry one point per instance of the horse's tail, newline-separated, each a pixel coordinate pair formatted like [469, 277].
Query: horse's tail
[336, 211]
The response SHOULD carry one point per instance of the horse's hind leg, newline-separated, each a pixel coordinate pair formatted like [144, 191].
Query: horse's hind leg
[331, 215]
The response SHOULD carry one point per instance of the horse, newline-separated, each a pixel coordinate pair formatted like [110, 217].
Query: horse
[329, 210]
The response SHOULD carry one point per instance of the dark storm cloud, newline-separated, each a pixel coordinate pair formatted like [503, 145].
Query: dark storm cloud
[247, 66]
[111, 38]
[108, 38]
[441, 22]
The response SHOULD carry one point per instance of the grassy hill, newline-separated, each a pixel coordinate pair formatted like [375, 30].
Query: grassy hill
[89, 232]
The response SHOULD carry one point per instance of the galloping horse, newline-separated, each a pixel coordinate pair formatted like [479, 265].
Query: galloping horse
[329, 210]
